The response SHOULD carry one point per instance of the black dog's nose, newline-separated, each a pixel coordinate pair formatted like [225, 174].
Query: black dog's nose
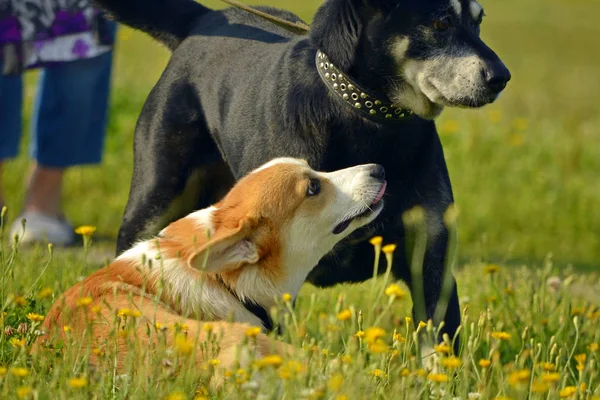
[378, 172]
[496, 76]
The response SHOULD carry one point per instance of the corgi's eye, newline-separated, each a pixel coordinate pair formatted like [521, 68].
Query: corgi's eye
[314, 187]
[442, 25]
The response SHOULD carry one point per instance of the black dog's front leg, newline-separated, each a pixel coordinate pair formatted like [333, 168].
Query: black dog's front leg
[173, 153]
[433, 267]
[431, 190]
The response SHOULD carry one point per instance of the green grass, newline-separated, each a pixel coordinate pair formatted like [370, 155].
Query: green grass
[524, 172]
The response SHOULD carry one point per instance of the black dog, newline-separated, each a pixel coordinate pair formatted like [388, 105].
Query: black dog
[362, 88]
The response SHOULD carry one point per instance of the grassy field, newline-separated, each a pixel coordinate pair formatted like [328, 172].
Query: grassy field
[524, 174]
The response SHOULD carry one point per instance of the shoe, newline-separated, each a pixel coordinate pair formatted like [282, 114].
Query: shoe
[40, 227]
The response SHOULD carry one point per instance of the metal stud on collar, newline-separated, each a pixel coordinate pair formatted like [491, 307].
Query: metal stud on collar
[377, 108]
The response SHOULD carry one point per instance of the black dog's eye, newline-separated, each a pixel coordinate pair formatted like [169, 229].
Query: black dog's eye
[314, 187]
[442, 25]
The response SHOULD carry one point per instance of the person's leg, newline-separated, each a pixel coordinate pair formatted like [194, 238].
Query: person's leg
[11, 97]
[68, 129]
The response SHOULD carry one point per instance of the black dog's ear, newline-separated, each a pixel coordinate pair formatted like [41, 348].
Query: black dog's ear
[337, 28]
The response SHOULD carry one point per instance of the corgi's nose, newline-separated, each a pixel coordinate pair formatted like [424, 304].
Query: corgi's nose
[377, 172]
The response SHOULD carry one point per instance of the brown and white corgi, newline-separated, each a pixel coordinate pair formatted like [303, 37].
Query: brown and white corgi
[228, 261]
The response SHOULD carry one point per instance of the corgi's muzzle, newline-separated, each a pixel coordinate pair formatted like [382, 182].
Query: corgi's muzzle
[373, 205]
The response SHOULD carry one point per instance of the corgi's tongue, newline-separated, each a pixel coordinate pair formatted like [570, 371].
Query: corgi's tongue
[380, 194]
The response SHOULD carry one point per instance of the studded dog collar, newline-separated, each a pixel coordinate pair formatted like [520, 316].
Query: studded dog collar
[375, 108]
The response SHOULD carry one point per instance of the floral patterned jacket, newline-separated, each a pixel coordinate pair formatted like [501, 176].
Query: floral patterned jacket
[37, 33]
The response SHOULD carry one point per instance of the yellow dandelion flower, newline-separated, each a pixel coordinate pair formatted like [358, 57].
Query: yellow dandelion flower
[521, 124]
[178, 395]
[515, 139]
[347, 359]
[96, 309]
[449, 127]
[208, 327]
[98, 352]
[126, 312]
[451, 362]
[491, 269]
[578, 311]
[78, 383]
[291, 368]
[540, 387]
[3, 371]
[376, 240]
[422, 324]
[360, 334]
[580, 367]
[374, 333]
[379, 346]
[581, 358]
[183, 345]
[19, 372]
[546, 366]
[20, 301]
[85, 230]
[437, 378]
[405, 372]
[327, 353]
[395, 291]
[483, 363]
[341, 397]
[551, 377]
[335, 382]
[214, 362]
[399, 338]
[389, 249]
[23, 392]
[420, 372]
[344, 315]
[84, 301]
[177, 326]
[35, 317]
[495, 116]
[442, 348]
[66, 328]
[593, 347]
[519, 377]
[44, 293]
[501, 335]
[19, 343]
[253, 331]
[567, 392]
[270, 361]
[379, 373]
[583, 387]
[286, 297]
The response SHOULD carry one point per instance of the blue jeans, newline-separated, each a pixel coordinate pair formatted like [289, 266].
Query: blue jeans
[69, 116]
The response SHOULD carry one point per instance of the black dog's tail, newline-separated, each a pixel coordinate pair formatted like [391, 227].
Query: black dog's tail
[168, 21]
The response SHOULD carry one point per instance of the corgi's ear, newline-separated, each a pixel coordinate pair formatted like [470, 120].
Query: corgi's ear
[228, 248]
